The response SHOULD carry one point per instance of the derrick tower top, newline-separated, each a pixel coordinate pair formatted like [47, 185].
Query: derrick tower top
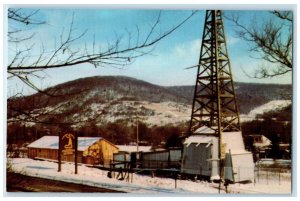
[214, 107]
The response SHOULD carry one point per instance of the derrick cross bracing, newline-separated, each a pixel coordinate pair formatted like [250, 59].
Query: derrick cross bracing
[214, 104]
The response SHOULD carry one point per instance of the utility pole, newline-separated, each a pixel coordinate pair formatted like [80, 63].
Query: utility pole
[59, 152]
[137, 133]
[76, 153]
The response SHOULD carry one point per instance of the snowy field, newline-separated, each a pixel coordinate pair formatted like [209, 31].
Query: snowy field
[270, 106]
[141, 184]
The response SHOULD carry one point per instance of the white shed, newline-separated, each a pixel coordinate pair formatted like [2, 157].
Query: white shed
[200, 156]
[201, 152]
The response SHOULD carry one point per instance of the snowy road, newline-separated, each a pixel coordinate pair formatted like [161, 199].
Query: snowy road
[22, 183]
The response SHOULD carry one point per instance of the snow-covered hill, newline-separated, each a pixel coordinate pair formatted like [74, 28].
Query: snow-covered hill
[274, 105]
[105, 99]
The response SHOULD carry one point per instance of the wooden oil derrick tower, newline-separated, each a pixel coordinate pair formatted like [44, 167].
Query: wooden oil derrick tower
[214, 104]
[215, 147]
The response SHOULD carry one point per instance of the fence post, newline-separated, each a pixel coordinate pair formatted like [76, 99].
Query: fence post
[200, 169]
[152, 173]
[267, 176]
[239, 176]
[279, 175]
[254, 176]
[258, 174]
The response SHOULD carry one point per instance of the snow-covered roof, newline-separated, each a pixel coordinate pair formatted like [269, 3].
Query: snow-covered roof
[233, 140]
[263, 141]
[205, 130]
[85, 142]
[198, 139]
[51, 142]
[132, 148]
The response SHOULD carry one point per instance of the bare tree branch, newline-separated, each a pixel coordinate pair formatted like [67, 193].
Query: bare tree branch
[17, 15]
[271, 39]
[75, 57]
[285, 15]
[25, 63]
[26, 18]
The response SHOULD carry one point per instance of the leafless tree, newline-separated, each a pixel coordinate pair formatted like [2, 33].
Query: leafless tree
[28, 61]
[65, 54]
[271, 38]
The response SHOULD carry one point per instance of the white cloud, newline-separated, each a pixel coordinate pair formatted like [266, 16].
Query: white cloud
[187, 49]
[232, 40]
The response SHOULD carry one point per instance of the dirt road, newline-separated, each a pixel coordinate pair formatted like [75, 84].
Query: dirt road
[21, 183]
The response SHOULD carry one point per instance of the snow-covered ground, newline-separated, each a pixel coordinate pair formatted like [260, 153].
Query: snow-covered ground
[140, 183]
[270, 106]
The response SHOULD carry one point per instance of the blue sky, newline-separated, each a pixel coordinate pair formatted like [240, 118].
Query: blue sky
[164, 66]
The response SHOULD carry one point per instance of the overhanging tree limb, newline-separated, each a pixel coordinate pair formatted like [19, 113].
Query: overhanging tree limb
[26, 62]
[272, 39]
[73, 57]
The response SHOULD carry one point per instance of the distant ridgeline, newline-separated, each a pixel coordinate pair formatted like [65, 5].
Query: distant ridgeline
[100, 94]
[249, 95]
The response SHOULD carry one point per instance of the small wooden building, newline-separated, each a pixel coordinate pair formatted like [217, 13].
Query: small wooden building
[91, 150]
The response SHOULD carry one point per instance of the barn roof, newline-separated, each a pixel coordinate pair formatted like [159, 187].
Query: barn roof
[51, 142]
